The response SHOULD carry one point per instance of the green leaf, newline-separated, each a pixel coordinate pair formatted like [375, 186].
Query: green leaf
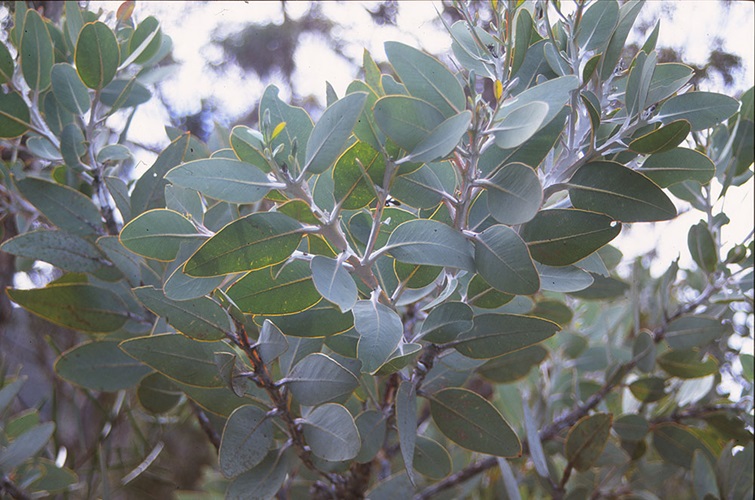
[677, 444]
[158, 234]
[73, 23]
[514, 194]
[687, 332]
[272, 343]
[258, 240]
[318, 379]
[663, 139]
[158, 394]
[25, 447]
[179, 358]
[441, 141]
[520, 125]
[472, 55]
[180, 286]
[431, 459]
[100, 366]
[402, 356]
[223, 179]
[586, 440]
[644, 347]
[406, 424]
[200, 318]
[638, 82]
[631, 427]
[61, 249]
[426, 78]
[687, 363]
[736, 471]
[667, 79]
[556, 61]
[446, 322]
[648, 389]
[702, 110]
[563, 279]
[620, 192]
[36, 51]
[502, 259]
[66, 208]
[77, 306]
[69, 90]
[597, 25]
[366, 129]
[372, 427]
[323, 319]
[430, 242]
[248, 145]
[247, 437]
[328, 138]
[513, 366]
[148, 28]
[524, 28]
[354, 174]
[6, 64]
[748, 366]
[265, 480]
[380, 332]
[334, 282]
[331, 433]
[702, 247]
[559, 237]
[496, 334]
[678, 165]
[97, 55]
[627, 15]
[10, 390]
[276, 291]
[602, 288]
[407, 121]
[122, 93]
[298, 125]
[473, 423]
[14, 115]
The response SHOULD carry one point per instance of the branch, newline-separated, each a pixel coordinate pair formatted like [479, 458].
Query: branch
[205, 425]
[8, 487]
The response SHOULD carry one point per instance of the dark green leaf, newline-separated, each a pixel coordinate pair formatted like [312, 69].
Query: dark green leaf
[430, 243]
[631, 427]
[627, 15]
[663, 139]
[597, 25]
[380, 332]
[148, 29]
[36, 51]
[122, 93]
[252, 242]
[687, 363]
[702, 247]
[331, 433]
[513, 366]
[276, 291]
[687, 332]
[100, 366]
[648, 389]
[248, 145]
[473, 423]
[223, 179]
[158, 394]
[265, 480]
[677, 165]
[272, 343]
[559, 237]
[200, 318]
[496, 334]
[180, 286]
[502, 259]
[97, 55]
[158, 234]
[14, 115]
[514, 194]
[69, 90]
[563, 279]
[77, 306]
[328, 138]
[354, 174]
[179, 358]
[431, 459]
[704, 476]
[317, 379]
[372, 427]
[247, 437]
[677, 444]
[644, 348]
[6, 64]
[66, 208]
[602, 288]
[321, 320]
[25, 446]
[586, 440]
[620, 192]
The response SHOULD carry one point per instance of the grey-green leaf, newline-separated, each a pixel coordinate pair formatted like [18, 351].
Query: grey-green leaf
[334, 282]
[496, 334]
[318, 379]
[441, 141]
[223, 179]
[100, 366]
[406, 422]
[66, 208]
[432, 243]
[328, 138]
[69, 89]
[514, 194]
[331, 433]
[59, 248]
[702, 110]
[503, 260]
[158, 234]
[380, 331]
[247, 436]
[446, 322]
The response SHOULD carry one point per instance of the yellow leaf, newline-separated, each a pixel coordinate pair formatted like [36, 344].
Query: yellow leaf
[498, 89]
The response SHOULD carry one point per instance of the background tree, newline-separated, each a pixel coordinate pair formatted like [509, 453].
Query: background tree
[416, 292]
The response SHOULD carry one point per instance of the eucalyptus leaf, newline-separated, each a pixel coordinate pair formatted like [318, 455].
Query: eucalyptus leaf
[318, 379]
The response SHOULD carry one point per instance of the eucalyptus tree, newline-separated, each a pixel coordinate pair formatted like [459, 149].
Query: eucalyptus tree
[415, 293]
